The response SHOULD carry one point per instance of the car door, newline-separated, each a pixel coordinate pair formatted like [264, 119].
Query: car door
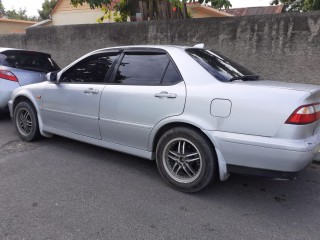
[147, 88]
[73, 104]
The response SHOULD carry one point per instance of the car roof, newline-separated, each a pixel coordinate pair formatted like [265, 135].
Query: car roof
[164, 47]
[2, 49]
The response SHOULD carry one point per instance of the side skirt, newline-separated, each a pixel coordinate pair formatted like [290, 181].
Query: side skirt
[98, 142]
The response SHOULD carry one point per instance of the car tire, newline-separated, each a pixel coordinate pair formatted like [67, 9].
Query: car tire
[26, 121]
[185, 159]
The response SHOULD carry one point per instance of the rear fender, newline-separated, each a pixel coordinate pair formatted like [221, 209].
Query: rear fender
[197, 123]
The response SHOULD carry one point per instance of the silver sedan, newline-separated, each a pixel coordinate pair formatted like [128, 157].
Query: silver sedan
[194, 111]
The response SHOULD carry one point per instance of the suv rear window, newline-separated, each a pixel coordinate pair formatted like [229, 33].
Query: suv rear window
[27, 60]
[219, 66]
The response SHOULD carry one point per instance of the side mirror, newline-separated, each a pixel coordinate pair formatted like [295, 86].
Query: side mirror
[52, 77]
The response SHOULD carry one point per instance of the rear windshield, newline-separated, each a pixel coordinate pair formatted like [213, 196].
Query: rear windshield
[219, 66]
[34, 61]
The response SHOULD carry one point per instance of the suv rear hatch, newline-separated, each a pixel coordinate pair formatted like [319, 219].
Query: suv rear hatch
[28, 66]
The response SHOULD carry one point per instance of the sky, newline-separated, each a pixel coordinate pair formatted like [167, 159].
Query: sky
[32, 5]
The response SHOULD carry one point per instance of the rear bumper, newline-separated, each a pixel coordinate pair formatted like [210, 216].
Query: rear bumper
[254, 152]
[10, 106]
[261, 172]
[6, 88]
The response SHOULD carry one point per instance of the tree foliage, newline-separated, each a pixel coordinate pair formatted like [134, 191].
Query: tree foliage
[218, 3]
[2, 11]
[298, 5]
[99, 3]
[123, 8]
[21, 14]
[93, 3]
[47, 7]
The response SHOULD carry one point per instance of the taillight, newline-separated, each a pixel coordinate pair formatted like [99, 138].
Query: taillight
[7, 75]
[305, 114]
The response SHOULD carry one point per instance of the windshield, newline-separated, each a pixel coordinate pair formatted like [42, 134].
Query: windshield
[220, 67]
[33, 61]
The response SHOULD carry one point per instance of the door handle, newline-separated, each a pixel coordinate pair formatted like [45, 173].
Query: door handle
[165, 95]
[91, 90]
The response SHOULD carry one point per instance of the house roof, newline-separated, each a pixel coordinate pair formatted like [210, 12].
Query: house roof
[16, 21]
[255, 10]
[198, 9]
[42, 23]
[56, 6]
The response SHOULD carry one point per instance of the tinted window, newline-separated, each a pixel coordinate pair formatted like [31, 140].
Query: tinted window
[172, 76]
[26, 60]
[142, 69]
[218, 65]
[92, 69]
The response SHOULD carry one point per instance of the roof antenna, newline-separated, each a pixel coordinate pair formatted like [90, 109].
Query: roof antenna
[200, 45]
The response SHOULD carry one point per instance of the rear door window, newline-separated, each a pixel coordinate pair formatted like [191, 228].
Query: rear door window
[147, 68]
[27, 60]
[172, 76]
[142, 68]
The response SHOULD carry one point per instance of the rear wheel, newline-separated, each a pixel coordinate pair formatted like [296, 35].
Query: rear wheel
[185, 159]
[26, 121]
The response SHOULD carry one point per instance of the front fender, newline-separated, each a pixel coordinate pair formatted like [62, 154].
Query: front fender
[35, 97]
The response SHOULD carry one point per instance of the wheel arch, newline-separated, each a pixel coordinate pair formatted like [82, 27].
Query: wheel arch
[168, 126]
[221, 163]
[26, 97]
[171, 125]
[22, 98]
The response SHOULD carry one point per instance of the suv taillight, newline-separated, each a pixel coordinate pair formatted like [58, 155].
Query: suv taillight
[7, 75]
[305, 114]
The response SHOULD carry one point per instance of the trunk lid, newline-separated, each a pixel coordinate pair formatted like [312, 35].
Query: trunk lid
[282, 85]
[262, 108]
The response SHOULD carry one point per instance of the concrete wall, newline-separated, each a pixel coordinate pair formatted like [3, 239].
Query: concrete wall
[13, 40]
[283, 47]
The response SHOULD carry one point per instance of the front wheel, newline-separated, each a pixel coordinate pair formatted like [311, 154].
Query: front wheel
[26, 121]
[185, 159]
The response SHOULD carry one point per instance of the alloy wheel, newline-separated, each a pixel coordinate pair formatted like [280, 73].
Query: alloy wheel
[24, 121]
[182, 160]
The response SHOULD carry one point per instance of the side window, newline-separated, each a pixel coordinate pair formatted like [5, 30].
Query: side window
[92, 69]
[172, 76]
[142, 69]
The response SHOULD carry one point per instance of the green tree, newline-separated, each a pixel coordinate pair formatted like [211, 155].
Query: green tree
[124, 7]
[47, 7]
[298, 5]
[2, 11]
[218, 3]
[20, 14]
[93, 3]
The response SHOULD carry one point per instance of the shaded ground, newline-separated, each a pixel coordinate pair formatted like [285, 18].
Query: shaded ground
[62, 189]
